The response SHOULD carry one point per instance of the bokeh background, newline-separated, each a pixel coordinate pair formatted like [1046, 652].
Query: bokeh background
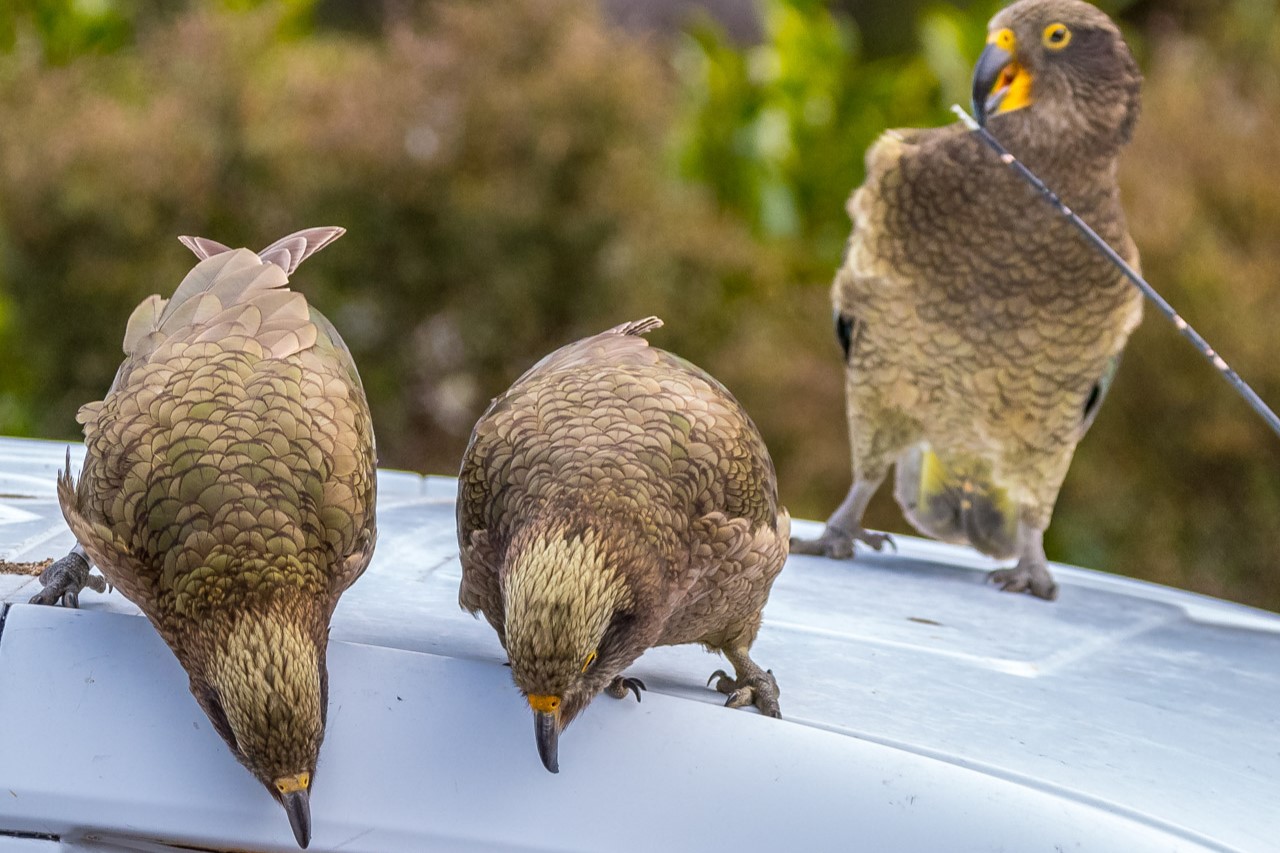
[518, 173]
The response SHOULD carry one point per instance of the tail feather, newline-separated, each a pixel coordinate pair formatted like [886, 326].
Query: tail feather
[956, 502]
[287, 252]
[232, 296]
[624, 343]
[203, 247]
[637, 327]
[234, 292]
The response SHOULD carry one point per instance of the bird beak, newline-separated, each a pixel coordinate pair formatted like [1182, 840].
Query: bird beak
[546, 729]
[1001, 84]
[297, 805]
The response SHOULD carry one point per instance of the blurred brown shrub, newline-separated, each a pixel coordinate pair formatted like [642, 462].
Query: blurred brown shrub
[500, 167]
[1179, 481]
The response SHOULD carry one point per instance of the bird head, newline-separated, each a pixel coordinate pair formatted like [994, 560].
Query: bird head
[1061, 66]
[570, 628]
[263, 684]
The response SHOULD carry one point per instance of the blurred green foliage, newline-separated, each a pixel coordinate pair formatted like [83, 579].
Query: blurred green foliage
[517, 173]
[66, 29]
[778, 129]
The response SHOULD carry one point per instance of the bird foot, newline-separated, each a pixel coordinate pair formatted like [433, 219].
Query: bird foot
[761, 691]
[1026, 576]
[619, 686]
[838, 544]
[64, 580]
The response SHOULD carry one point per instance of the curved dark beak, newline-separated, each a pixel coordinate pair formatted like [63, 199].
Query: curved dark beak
[546, 729]
[298, 806]
[986, 75]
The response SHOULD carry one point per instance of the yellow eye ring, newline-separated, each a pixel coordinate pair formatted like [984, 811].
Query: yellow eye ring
[591, 658]
[1056, 36]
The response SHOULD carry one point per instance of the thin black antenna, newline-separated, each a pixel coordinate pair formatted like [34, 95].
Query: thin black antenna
[1242, 387]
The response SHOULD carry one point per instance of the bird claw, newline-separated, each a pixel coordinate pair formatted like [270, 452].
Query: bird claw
[619, 686]
[1026, 577]
[837, 544]
[876, 540]
[762, 692]
[833, 543]
[65, 579]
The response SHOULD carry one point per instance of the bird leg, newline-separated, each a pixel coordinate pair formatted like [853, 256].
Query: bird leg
[752, 686]
[845, 526]
[64, 580]
[1031, 573]
[619, 686]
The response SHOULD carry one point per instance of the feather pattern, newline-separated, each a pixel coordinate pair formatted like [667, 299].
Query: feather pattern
[625, 487]
[229, 487]
[977, 327]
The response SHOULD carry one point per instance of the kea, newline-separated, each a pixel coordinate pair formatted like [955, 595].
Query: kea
[228, 490]
[980, 332]
[615, 498]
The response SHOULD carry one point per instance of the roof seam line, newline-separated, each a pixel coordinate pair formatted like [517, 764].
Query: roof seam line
[30, 836]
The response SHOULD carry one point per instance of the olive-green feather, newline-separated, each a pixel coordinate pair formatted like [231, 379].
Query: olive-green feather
[228, 489]
[979, 329]
[615, 498]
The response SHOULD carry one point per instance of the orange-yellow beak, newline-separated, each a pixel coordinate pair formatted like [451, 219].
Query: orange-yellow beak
[546, 729]
[1001, 84]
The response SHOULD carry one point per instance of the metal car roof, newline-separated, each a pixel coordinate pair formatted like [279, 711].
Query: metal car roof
[922, 710]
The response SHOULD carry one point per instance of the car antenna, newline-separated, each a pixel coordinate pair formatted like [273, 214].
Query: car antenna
[1242, 387]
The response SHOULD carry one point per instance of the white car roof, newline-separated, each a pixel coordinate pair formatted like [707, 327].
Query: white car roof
[922, 710]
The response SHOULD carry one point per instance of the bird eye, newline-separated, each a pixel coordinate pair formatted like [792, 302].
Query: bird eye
[1056, 36]
[591, 658]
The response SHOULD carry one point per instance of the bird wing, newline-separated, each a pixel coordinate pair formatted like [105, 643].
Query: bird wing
[671, 445]
[724, 449]
[623, 344]
[481, 590]
[487, 461]
[235, 442]
[733, 563]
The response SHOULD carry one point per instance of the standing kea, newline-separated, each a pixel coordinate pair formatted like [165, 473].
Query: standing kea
[228, 491]
[980, 332]
[614, 499]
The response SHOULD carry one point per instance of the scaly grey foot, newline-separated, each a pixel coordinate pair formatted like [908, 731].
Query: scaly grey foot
[619, 686]
[1026, 576]
[838, 544]
[760, 690]
[64, 580]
